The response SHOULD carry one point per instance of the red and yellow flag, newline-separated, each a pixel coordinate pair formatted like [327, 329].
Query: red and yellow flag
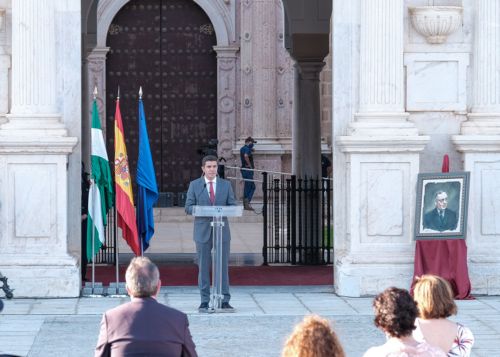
[123, 186]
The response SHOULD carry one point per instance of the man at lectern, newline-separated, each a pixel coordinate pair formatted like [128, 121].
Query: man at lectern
[210, 190]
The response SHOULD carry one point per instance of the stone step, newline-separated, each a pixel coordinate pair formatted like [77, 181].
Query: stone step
[177, 215]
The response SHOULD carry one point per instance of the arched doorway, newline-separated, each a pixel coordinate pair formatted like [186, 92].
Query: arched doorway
[165, 46]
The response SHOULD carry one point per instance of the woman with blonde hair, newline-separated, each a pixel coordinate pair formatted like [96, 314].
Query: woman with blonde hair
[434, 298]
[313, 337]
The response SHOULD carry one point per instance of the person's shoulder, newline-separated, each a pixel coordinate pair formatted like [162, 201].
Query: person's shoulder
[197, 180]
[119, 310]
[374, 351]
[171, 312]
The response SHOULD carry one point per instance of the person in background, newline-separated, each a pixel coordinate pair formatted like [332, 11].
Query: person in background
[395, 314]
[434, 298]
[313, 337]
[246, 156]
[326, 166]
[85, 204]
[143, 326]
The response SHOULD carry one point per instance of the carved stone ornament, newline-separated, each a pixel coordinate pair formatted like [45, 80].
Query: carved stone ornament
[435, 23]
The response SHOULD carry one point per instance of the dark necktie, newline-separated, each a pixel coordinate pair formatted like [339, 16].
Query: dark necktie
[212, 193]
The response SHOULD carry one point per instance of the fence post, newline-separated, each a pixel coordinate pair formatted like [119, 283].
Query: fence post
[293, 219]
[264, 213]
[328, 222]
[276, 219]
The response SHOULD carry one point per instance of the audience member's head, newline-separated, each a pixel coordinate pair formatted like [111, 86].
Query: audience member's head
[434, 297]
[313, 337]
[395, 312]
[142, 278]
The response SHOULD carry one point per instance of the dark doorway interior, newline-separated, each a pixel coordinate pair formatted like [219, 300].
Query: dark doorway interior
[165, 46]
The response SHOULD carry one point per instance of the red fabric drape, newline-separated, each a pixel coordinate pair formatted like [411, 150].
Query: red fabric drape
[445, 258]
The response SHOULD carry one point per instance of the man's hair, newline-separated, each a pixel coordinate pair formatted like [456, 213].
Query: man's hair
[434, 297]
[395, 312]
[439, 193]
[142, 277]
[208, 158]
[313, 337]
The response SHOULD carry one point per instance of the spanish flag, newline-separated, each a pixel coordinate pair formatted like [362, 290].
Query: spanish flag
[123, 186]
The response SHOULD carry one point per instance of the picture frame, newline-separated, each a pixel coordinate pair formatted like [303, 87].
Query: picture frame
[441, 207]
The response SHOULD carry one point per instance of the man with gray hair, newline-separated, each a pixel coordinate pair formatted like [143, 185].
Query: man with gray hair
[440, 218]
[144, 327]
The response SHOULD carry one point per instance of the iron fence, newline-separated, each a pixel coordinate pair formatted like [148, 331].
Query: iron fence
[297, 220]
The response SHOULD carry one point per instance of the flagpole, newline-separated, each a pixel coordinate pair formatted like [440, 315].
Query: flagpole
[92, 183]
[93, 232]
[116, 228]
[139, 196]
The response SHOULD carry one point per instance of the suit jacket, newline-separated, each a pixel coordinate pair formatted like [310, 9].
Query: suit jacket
[432, 220]
[144, 327]
[198, 195]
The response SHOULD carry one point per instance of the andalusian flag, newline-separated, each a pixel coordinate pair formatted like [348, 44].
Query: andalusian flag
[123, 185]
[101, 189]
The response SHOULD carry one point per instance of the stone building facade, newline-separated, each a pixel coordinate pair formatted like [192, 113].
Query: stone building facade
[395, 100]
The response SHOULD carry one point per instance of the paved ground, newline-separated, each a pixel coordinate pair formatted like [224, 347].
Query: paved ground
[264, 317]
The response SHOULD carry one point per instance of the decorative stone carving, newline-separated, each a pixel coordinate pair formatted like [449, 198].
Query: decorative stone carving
[96, 66]
[435, 23]
[226, 79]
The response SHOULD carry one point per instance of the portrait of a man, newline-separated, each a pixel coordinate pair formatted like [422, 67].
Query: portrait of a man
[441, 218]
[442, 200]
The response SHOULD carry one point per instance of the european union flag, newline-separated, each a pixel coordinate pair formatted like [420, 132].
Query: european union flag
[146, 184]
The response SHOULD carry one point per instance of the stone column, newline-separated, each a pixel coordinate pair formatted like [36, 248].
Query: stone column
[34, 150]
[307, 123]
[4, 68]
[226, 98]
[34, 81]
[379, 156]
[479, 143]
[484, 117]
[381, 80]
[264, 64]
[95, 67]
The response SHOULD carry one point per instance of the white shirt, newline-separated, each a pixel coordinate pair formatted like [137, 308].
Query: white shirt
[214, 184]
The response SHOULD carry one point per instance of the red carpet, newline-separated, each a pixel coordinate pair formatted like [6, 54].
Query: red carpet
[187, 275]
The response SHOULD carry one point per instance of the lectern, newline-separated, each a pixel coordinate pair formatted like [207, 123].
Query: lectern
[217, 213]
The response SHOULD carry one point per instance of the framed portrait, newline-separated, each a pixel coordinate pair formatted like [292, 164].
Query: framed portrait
[442, 201]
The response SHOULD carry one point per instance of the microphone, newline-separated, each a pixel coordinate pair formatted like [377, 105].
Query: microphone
[203, 189]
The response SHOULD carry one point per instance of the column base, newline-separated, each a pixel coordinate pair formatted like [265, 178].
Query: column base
[481, 124]
[38, 125]
[32, 276]
[484, 273]
[368, 275]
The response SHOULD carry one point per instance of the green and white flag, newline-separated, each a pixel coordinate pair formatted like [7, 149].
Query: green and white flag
[101, 190]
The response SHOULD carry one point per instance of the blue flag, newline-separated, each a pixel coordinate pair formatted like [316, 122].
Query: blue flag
[146, 184]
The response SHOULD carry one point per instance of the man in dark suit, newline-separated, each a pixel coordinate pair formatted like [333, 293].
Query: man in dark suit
[441, 218]
[206, 191]
[144, 327]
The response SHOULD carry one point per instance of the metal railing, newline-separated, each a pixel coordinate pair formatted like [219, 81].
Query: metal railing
[297, 220]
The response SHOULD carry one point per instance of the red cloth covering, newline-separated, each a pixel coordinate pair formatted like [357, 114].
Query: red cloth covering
[447, 259]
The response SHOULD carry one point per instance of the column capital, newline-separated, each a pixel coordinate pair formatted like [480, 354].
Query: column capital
[226, 51]
[310, 70]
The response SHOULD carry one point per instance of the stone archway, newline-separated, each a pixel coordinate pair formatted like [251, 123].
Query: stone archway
[222, 14]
